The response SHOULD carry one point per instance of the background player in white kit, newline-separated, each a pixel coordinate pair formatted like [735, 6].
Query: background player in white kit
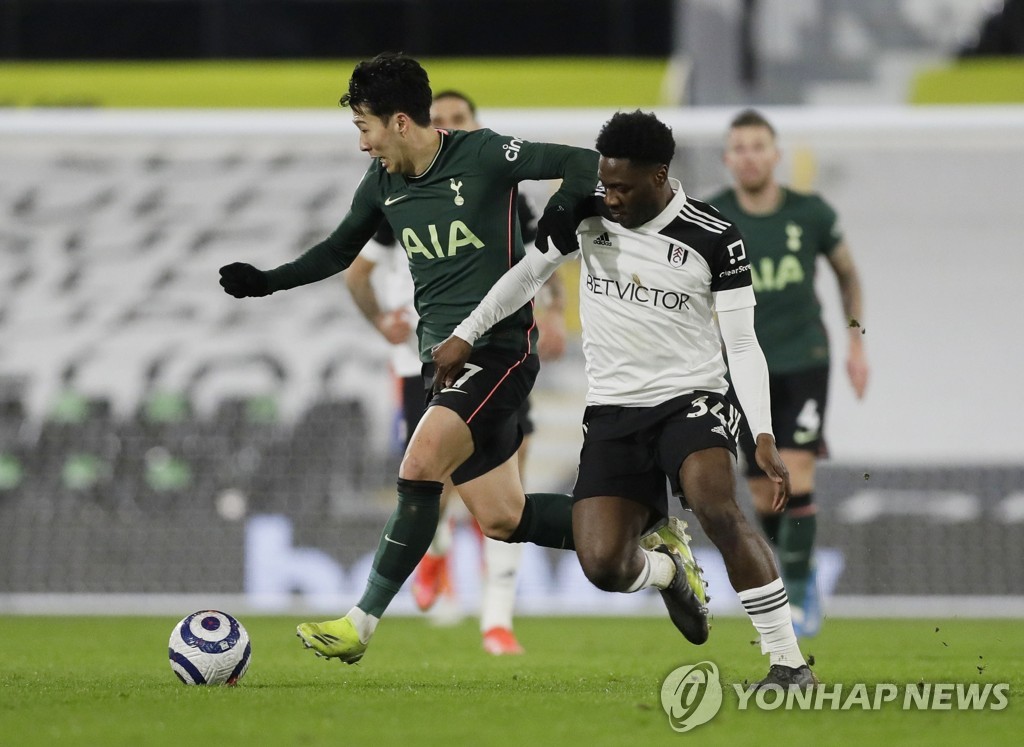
[658, 265]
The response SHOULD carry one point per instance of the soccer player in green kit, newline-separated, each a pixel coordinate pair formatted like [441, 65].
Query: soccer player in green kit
[451, 199]
[785, 232]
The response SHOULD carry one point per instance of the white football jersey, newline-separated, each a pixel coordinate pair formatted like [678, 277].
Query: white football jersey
[648, 297]
[392, 284]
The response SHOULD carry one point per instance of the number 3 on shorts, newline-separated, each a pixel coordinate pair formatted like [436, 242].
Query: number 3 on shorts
[700, 409]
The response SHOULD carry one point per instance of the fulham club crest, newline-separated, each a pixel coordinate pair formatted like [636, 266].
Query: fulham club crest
[677, 255]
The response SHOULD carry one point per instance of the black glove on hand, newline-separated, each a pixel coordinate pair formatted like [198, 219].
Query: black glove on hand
[241, 280]
[558, 225]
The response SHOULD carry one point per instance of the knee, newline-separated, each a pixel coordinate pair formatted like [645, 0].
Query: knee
[606, 570]
[500, 524]
[415, 468]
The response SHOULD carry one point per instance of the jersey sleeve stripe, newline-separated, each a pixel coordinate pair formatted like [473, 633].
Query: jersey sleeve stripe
[510, 226]
[700, 208]
[705, 221]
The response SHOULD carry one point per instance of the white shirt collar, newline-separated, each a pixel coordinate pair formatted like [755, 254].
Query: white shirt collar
[666, 216]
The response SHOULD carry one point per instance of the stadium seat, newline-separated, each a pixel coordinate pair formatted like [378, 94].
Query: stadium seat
[321, 465]
[78, 448]
[164, 454]
[245, 430]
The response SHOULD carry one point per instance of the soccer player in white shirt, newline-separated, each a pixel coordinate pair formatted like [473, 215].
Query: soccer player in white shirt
[658, 266]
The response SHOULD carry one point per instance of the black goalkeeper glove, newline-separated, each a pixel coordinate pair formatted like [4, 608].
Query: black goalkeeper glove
[242, 281]
[557, 226]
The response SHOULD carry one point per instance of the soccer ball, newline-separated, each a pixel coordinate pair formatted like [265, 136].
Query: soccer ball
[209, 648]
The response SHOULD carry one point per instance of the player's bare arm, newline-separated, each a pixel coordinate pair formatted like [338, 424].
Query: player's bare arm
[549, 311]
[769, 460]
[393, 325]
[841, 261]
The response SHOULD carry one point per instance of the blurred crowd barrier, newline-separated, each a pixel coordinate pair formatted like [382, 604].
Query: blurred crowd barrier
[160, 437]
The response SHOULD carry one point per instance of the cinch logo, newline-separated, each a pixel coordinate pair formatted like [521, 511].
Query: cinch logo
[512, 149]
[691, 695]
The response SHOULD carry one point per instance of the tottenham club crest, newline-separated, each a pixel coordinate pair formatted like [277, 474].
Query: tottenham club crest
[677, 255]
[456, 187]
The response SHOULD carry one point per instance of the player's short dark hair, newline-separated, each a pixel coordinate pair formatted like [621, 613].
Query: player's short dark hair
[639, 136]
[388, 84]
[751, 118]
[451, 93]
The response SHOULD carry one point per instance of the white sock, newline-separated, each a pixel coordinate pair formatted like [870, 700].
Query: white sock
[365, 624]
[501, 566]
[658, 571]
[442, 541]
[768, 608]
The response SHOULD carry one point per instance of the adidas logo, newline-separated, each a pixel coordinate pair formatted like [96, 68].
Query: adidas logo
[603, 240]
[720, 430]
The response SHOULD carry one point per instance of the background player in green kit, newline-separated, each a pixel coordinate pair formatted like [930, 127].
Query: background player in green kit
[785, 233]
[451, 199]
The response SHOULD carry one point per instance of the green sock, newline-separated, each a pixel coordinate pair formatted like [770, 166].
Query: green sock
[546, 521]
[796, 548]
[770, 526]
[406, 537]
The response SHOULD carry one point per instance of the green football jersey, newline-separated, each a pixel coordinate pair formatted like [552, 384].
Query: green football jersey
[457, 223]
[783, 248]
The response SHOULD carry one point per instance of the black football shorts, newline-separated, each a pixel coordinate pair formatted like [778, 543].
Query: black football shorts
[798, 415]
[628, 452]
[488, 396]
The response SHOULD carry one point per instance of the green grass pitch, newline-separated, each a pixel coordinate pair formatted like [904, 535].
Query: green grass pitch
[590, 681]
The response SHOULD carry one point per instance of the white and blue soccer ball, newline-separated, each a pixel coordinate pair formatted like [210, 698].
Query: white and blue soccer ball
[209, 648]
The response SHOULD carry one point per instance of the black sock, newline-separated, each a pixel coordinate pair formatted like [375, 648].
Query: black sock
[796, 545]
[546, 521]
[406, 537]
[770, 524]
